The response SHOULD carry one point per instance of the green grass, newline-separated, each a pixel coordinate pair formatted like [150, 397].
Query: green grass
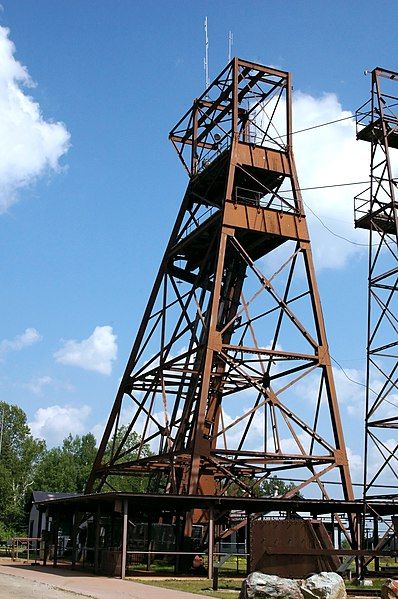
[232, 568]
[228, 588]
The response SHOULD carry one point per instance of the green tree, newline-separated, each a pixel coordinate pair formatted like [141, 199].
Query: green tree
[135, 483]
[269, 487]
[19, 456]
[273, 486]
[66, 468]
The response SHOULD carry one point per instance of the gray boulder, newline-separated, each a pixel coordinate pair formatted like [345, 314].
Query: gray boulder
[326, 585]
[265, 586]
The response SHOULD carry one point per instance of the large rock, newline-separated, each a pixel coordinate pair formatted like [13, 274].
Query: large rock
[389, 589]
[265, 586]
[326, 585]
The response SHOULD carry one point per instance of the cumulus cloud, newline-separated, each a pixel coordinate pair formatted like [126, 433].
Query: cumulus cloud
[30, 146]
[327, 156]
[96, 353]
[27, 338]
[56, 422]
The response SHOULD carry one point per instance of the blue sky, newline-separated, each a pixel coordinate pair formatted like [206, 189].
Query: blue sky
[81, 241]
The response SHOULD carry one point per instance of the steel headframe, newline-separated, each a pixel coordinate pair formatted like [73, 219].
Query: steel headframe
[376, 211]
[229, 380]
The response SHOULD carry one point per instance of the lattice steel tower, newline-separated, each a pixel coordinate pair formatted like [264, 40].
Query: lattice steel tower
[376, 210]
[229, 377]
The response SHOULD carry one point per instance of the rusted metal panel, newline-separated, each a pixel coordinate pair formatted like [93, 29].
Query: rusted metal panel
[265, 158]
[271, 222]
[270, 538]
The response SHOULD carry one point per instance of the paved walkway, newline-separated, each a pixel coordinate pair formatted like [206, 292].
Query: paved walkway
[98, 587]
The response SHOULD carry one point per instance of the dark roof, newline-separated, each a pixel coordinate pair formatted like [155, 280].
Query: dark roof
[38, 496]
[153, 502]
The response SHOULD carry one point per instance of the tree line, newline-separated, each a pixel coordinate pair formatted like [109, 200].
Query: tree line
[27, 465]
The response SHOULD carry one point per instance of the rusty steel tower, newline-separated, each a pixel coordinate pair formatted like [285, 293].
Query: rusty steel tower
[229, 380]
[376, 209]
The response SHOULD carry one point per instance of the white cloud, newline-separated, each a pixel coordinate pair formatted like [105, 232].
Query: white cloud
[27, 338]
[97, 352]
[326, 156]
[55, 423]
[30, 146]
[355, 463]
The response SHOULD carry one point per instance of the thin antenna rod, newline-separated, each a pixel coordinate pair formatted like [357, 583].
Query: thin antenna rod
[206, 60]
[230, 44]
[2, 428]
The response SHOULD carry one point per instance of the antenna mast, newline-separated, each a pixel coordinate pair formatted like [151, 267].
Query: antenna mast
[206, 59]
[230, 44]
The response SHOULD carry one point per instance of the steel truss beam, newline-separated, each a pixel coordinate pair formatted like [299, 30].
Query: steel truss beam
[376, 211]
[229, 380]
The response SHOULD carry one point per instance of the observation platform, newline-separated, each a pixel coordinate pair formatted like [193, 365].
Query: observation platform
[374, 131]
[376, 220]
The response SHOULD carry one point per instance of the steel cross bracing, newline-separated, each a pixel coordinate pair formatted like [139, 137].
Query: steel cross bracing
[229, 380]
[376, 211]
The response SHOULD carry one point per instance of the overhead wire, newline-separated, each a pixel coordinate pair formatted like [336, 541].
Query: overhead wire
[333, 232]
[359, 383]
[345, 118]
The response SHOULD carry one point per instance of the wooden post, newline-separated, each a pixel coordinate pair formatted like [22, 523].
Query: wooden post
[124, 537]
[211, 544]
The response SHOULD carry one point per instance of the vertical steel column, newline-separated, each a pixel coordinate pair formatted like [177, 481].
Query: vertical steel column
[97, 530]
[45, 550]
[248, 542]
[55, 539]
[124, 537]
[74, 539]
[211, 544]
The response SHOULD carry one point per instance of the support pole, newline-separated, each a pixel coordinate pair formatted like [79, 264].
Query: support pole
[38, 531]
[45, 550]
[55, 540]
[359, 561]
[124, 537]
[211, 544]
[97, 538]
[376, 541]
[74, 539]
[248, 544]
